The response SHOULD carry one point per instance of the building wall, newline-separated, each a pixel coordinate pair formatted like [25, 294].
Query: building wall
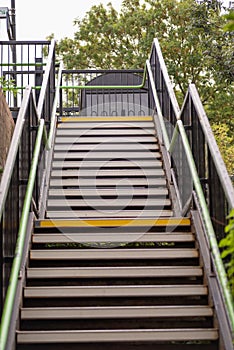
[6, 130]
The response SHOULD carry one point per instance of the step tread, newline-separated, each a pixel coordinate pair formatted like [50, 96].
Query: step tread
[109, 203]
[114, 272]
[106, 146]
[137, 222]
[107, 172]
[115, 312]
[107, 213]
[96, 155]
[114, 291]
[98, 139]
[118, 132]
[106, 254]
[109, 119]
[122, 164]
[120, 192]
[106, 124]
[118, 336]
[112, 182]
[108, 237]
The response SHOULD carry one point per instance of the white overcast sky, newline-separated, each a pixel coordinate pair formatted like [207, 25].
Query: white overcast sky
[36, 19]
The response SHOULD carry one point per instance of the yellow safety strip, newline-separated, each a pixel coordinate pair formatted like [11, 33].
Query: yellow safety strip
[106, 119]
[113, 222]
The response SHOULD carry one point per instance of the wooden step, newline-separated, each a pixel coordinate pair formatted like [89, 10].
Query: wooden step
[114, 291]
[116, 312]
[118, 336]
[114, 254]
[114, 272]
[160, 237]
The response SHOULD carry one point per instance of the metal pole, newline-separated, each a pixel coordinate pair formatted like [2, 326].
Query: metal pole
[13, 22]
[13, 33]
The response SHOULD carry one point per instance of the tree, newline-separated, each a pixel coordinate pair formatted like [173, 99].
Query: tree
[227, 246]
[195, 46]
[229, 26]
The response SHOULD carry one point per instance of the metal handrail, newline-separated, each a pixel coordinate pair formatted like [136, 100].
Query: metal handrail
[215, 152]
[15, 271]
[11, 291]
[46, 78]
[157, 105]
[180, 130]
[221, 168]
[107, 87]
[10, 296]
[80, 87]
[54, 109]
[167, 79]
[40, 137]
[13, 150]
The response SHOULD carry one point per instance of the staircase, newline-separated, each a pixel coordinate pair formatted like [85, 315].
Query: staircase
[111, 266]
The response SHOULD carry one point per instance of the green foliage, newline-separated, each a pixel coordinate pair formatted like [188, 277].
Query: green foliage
[193, 42]
[227, 244]
[8, 85]
[229, 26]
[195, 46]
[225, 141]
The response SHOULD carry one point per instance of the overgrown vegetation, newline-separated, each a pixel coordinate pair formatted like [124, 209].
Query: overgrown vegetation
[227, 244]
[8, 85]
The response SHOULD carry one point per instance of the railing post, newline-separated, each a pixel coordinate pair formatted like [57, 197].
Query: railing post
[38, 76]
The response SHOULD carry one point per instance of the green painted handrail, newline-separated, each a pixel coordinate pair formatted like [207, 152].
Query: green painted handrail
[90, 87]
[15, 271]
[108, 87]
[180, 130]
[208, 223]
[13, 150]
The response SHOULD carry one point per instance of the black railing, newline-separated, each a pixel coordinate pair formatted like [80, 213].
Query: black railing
[15, 178]
[22, 63]
[75, 99]
[216, 183]
[168, 103]
[16, 171]
[47, 91]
